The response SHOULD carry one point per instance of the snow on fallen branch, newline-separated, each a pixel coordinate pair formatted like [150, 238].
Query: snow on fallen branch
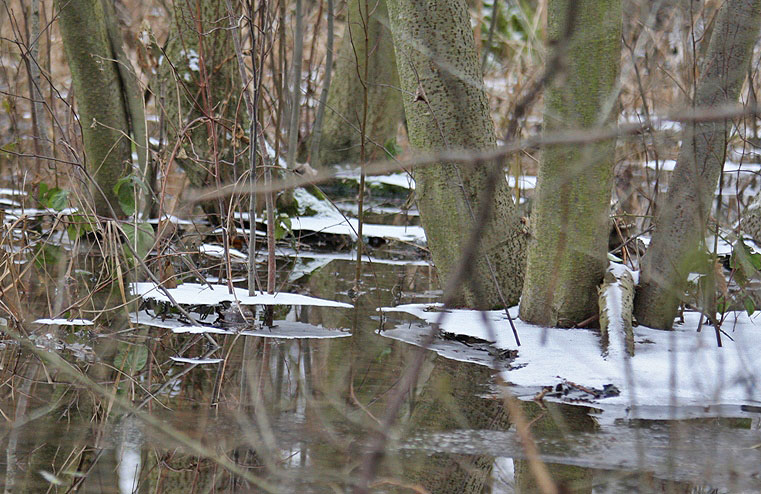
[616, 301]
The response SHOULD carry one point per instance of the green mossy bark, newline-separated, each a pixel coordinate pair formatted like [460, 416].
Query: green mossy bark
[130, 84]
[200, 33]
[567, 256]
[435, 43]
[100, 101]
[340, 140]
[681, 222]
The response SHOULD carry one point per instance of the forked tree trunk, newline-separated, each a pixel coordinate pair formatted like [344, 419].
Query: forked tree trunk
[100, 97]
[567, 256]
[437, 61]
[681, 223]
[340, 137]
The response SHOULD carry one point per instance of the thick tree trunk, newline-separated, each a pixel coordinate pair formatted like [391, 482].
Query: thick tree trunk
[681, 222]
[438, 63]
[100, 98]
[567, 255]
[340, 137]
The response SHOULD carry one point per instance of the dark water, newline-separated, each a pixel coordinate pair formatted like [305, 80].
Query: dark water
[300, 415]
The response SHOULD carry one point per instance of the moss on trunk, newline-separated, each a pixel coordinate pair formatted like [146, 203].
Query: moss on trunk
[100, 101]
[340, 140]
[567, 256]
[201, 84]
[438, 63]
[681, 222]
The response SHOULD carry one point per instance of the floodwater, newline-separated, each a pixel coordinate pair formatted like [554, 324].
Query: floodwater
[120, 415]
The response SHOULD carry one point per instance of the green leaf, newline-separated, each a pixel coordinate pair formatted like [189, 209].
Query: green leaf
[393, 149]
[755, 260]
[745, 262]
[80, 224]
[282, 226]
[131, 358]
[58, 199]
[42, 191]
[126, 190]
[53, 198]
[125, 194]
[750, 307]
[140, 238]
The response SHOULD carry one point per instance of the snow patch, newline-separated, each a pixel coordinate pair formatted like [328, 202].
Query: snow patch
[289, 330]
[525, 182]
[196, 361]
[12, 192]
[707, 377]
[170, 218]
[349, 226]
[286, 330]
[65, 322]
[401, 180]
[198, 294]
[218, 251]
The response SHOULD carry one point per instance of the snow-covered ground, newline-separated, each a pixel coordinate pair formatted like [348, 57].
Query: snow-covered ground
[680, 368]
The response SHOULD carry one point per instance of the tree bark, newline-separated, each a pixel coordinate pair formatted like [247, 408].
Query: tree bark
[439, 65]
[314, 145]
[203, 84]
[133, 94]
[295, 109]
[100, 98]
[340, 136]
[567, 255]
[681, 223]
[751, 220]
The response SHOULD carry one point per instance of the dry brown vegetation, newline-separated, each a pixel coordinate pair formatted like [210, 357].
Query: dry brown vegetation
[37, 276]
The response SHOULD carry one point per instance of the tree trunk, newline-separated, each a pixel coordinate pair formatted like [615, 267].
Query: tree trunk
[751, 220]
[438, 63]
[567, 255]
[202, 87]
[340, 137]
[100, 98]
[681, 223]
